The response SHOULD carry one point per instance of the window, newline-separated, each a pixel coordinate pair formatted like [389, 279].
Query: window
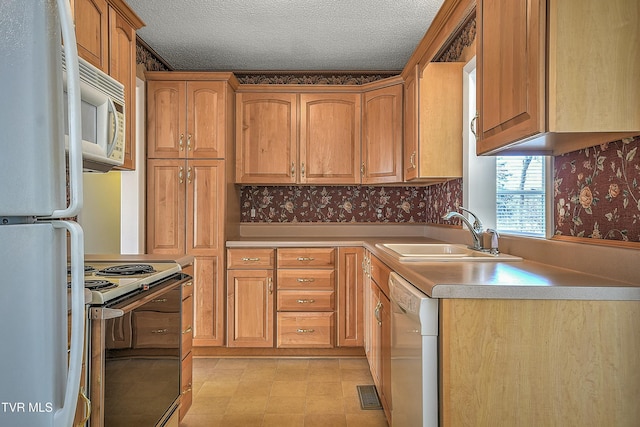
[520, 194]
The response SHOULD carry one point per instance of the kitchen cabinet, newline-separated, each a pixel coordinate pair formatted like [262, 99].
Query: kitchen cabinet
[576, 359]
[186, 119]
[556, 76]
[185, 201]
[106, 38]
[186, 345]
[350, 324]
[272, 148]
[250, 297]
[433, 122]
[378, 332]
[382, 135]
[306, 297]
[266, 138]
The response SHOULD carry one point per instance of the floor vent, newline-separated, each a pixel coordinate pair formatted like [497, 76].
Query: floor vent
[368, 397]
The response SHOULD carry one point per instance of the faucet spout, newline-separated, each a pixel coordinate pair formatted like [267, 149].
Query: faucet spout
[475, 235]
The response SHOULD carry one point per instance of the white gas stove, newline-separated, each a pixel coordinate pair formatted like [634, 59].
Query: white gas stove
[109, 280]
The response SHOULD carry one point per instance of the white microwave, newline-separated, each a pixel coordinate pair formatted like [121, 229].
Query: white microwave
[103, 118]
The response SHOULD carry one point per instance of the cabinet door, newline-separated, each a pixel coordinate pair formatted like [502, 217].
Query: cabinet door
[330, 138]
[382, 135]
[208, 328]
[91, 19]
[375, 334]
[250, 308]
[510, 71]
[122, 67]
[350, 296]
[411, 126]
[205, 130]
[166, 119]
[266, 138]
[166, 206]
[205, 206]
[385, 354]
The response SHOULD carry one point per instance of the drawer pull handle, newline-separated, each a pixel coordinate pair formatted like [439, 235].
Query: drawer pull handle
[159, 300]
[247, 259]
[186, 331]
[305, 258]
[160, 331]
[188, 284]
[302, 280]
[305, 331]
[306, 301]
[187, 390]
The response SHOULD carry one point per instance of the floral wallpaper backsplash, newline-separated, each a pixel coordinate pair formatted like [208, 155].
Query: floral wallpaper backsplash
[350, 203]
[597, 193]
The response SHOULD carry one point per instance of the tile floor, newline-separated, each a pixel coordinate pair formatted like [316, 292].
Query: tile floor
[280, 392]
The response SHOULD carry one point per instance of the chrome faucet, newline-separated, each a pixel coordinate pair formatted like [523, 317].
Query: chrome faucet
[476, 228]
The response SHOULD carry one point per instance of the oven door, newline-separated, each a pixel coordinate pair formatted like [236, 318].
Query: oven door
[135, 357]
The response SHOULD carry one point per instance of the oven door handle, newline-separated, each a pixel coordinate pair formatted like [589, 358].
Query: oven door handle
[101, 313]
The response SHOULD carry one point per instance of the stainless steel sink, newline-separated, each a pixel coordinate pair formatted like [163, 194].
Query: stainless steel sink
[438, 252]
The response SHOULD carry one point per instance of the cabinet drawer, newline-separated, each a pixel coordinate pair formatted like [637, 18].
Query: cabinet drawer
[186, 381]
[187, 289]
[306, 300]
[306, 279]
[303, 330]
[187, 325]
[250, 258]
[380, 274]
[306, 257]
[168, 302]
[156, 330]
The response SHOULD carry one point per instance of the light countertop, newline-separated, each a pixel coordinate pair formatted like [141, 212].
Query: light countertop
[472, 279]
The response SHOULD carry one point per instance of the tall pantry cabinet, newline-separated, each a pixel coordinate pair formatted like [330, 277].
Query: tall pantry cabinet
[189, 142]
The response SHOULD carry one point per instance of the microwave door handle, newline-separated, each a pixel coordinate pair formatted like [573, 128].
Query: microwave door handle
[113, 124]
[75, 129]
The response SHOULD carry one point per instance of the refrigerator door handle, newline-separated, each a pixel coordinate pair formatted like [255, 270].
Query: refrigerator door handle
[64, 416]
[75, 133]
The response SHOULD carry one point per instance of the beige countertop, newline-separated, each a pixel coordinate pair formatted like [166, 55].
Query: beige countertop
[472, 279]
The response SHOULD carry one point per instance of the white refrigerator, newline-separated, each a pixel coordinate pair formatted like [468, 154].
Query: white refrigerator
[40, 362]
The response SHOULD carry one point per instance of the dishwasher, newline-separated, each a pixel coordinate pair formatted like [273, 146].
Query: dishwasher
[414, 355]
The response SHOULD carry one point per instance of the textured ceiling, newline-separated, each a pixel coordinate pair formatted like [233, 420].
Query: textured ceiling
[252, 35]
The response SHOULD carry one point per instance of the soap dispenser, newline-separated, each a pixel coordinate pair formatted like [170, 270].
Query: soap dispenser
[493, 234]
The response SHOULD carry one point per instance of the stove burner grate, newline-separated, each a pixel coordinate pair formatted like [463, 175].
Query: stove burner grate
[95, 285]
[126, 270]
[88, 269]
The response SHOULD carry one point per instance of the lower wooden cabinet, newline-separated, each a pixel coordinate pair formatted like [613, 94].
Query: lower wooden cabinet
[186, 345]
[295, 297]
[250, 298]
[306, 329]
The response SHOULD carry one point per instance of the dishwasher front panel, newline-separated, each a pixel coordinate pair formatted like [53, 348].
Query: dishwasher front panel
[414, 363]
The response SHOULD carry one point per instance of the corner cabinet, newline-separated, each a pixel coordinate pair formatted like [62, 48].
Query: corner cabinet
[382, 135]
[106, 38]
[556, 76]
[433, 122]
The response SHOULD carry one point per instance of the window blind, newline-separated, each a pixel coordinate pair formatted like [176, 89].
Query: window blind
[520, 194]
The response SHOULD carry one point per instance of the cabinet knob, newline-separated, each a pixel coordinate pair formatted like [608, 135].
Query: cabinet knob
[189, 175]
[160, 331]
[189, 142]
[181, 142]
[302, 170]
[181, 175]
[186, 331]
[306, 301]
[303, 280]
[474, 121]
[247, 259]
[305, 331]
[293, 170]
[412, 160]
[305, 258]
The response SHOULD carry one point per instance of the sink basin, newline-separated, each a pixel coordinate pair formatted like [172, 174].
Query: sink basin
[437, 252]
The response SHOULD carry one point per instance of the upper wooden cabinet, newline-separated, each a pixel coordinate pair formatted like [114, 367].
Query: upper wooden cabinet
[329, 138]
[433, 123]
[556, 76]
[106, 37]
[266, 138]
[186, 119]
[382, 135]
[272, 149]
[91, 19]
